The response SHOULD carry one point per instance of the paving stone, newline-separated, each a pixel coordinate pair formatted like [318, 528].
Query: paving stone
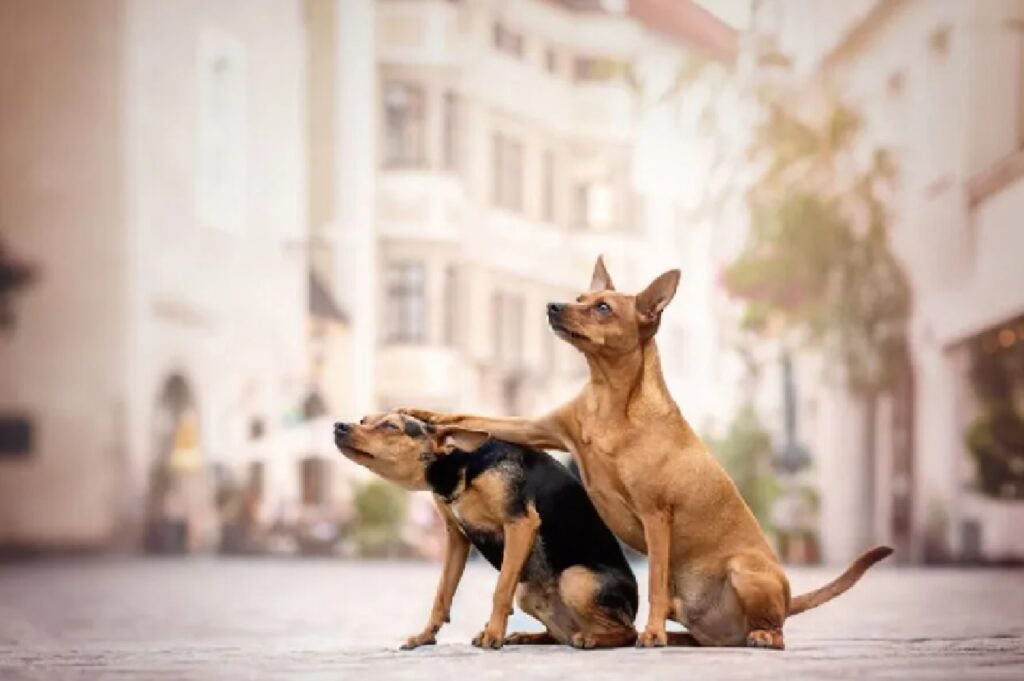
[248, 619]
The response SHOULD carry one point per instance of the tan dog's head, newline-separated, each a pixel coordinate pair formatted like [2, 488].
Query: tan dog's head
[399, 448]
[605, 322]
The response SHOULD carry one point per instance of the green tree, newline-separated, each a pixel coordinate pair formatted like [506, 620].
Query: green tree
[380, 514]
[746, 454]
[817, 269]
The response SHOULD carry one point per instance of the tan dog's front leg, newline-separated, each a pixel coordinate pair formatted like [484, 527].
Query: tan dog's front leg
[456, 551]
[542, 433]
[658, 534]
[519, 536]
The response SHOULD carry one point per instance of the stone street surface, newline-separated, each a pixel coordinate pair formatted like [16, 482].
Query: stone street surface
[280, 619]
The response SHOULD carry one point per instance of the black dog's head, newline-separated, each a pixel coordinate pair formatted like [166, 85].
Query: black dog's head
[399, 448]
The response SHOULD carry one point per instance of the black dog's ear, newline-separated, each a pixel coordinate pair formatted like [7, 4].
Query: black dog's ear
[652, 300]
[601, 280]
[450, 438]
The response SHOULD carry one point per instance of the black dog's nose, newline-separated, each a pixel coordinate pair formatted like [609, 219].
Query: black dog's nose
[341, 428]
[555, 309]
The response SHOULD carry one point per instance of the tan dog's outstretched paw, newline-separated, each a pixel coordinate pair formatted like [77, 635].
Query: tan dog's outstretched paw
[489, 639]
[652, 638]
[423, 639]
[766, 638]
[424, 415]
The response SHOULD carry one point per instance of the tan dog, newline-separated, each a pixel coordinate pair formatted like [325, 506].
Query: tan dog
[656, 484]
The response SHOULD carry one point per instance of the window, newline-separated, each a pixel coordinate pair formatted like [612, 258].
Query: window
[450, 132]
[257, 480]
[406, 302]
[221, 132]
[508, 41]
[548, 189]
[404, 126]
[257, 428]
[637, 213]
[508, 329]
[551, 60]
[316, 478]
[1020, 94]
[594, 205]
[895, 85]
[451, 306]
[16, 437]
[507, 172]
[596, 69]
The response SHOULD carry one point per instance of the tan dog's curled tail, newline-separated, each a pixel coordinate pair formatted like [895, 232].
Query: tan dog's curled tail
[841, 583]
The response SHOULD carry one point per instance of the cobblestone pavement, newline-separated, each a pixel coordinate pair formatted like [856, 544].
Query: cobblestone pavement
[248, 619]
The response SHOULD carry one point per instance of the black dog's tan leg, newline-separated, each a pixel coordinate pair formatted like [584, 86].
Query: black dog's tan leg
[519, 536]
[545, 604]
[456, 551]
[542, 433]
[596, 626]
[657, 534]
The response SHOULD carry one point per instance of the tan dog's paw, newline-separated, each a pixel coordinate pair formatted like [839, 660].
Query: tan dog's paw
[652, 638]
[489, 638]
[424, 415]
[766, 638]
[423, 639]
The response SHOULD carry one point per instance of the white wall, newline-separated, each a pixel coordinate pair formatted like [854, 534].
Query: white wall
[221, 302]
[60, 210]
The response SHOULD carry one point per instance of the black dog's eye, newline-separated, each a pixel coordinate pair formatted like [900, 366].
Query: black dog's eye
[603, 308]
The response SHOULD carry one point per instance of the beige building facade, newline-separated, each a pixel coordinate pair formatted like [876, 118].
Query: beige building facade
[249, 219]
[939, 83]
[153, 168]
[510, 146]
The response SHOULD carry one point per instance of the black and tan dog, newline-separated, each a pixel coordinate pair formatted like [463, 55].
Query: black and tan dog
[528, 517]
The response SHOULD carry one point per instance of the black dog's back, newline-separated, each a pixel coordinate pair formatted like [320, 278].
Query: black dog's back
[571, 532]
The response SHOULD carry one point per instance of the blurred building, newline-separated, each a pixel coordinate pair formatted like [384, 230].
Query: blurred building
[152, 170]
[483, 154]
[939, 83]
[249, 218]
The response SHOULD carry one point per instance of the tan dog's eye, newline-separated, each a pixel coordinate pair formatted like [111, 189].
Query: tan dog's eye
[603, 308]
[387, 425]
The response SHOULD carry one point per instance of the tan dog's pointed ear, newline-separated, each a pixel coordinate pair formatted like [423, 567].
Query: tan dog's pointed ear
[450, 438]
[601, 280]
[652, 300]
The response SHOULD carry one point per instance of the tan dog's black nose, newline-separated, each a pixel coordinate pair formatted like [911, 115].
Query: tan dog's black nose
[341, 429]
[555, 310]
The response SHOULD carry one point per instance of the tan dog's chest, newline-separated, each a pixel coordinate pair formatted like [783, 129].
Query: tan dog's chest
[603, 481]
